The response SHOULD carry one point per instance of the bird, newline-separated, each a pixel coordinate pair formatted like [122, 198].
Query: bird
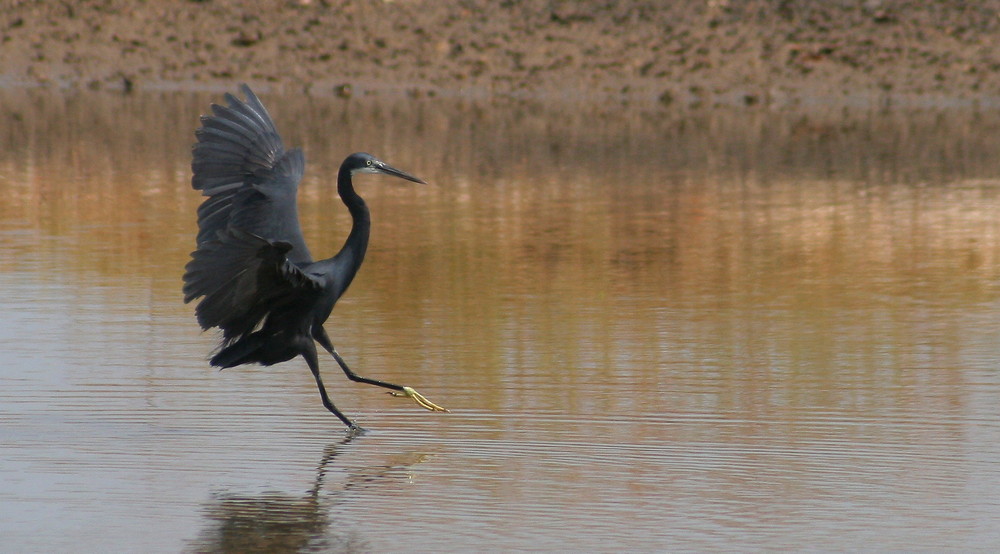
[251, 269]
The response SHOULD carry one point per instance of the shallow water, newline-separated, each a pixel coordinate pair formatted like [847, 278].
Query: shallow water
[655, 331]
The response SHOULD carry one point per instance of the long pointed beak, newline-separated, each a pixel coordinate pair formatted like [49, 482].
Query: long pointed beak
[389, 170]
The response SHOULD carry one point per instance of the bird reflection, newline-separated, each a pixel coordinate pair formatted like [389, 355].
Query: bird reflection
[278, 522]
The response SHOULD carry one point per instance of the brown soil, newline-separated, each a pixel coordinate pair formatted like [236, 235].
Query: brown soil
[709, 51]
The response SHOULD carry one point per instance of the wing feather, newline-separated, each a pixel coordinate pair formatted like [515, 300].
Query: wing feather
[242, 278]
[239, 151]
[250, 246]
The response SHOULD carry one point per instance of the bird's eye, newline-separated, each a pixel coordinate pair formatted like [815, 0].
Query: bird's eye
[368, 162]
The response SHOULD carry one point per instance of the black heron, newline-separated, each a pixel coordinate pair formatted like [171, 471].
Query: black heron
[252, 270]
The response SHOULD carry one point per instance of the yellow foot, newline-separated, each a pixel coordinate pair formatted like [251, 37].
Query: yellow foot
[419, 399]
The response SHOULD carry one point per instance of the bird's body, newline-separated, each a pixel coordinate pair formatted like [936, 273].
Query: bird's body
[255, 276]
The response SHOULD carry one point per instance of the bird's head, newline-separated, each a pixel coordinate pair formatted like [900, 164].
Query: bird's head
[362, 162]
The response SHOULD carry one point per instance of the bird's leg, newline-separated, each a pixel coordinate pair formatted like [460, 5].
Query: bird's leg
[397, 390]
[313, 362]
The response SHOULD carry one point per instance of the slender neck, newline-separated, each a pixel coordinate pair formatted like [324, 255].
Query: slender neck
[357, 242]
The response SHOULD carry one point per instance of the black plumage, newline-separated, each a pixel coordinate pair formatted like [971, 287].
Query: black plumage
[252, 270]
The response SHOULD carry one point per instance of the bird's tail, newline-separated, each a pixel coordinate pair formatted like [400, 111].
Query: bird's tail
[246, 350]
[259, 347]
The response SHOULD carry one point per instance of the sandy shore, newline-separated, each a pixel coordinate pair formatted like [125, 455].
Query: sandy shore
[700, 52]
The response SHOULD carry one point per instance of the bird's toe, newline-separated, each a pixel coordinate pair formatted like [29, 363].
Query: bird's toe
[420, 400]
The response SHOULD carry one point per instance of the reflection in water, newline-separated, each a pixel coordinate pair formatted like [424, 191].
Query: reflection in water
[707, 329]
[268, 523]
[272, 522]
[278, 522]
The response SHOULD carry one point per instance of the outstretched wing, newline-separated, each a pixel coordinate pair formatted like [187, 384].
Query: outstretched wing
[251, 181]
[243, 278]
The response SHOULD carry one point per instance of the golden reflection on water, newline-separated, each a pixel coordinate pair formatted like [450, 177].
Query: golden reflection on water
[761, 319]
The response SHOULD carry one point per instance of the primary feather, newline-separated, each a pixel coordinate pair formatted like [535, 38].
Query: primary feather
[251, 181]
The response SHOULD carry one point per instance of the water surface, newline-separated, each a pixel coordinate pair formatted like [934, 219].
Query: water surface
[655, 330]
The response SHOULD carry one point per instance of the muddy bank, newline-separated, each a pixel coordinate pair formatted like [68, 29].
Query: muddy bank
[756, 52]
